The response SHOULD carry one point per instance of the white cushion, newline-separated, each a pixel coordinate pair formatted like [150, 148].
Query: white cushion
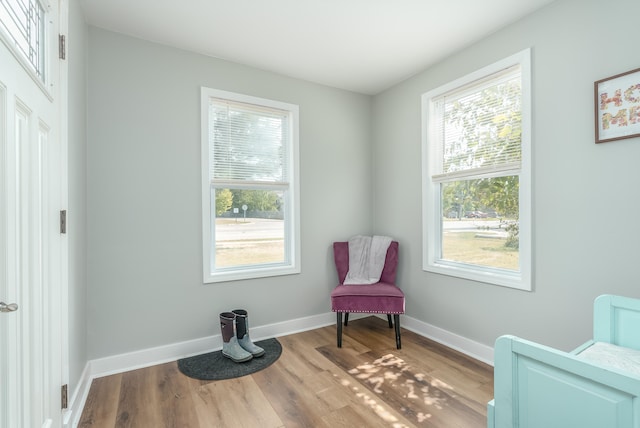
[606, 354]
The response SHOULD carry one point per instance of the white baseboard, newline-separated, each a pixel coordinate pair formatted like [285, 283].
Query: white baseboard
[71, 416]
[162, 354]
[469, 347]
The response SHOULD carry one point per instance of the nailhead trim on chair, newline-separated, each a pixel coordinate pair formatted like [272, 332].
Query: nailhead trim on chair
[368, 312]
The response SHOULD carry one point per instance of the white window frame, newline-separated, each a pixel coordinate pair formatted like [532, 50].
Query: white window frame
[292, 207]
[431, 199]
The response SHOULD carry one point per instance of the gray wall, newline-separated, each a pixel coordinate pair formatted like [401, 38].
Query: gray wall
[585, 241]
[143, 204]
[77, 217]
[144, 207]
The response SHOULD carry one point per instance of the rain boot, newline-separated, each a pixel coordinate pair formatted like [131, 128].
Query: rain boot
[230, 346]
[242, 329]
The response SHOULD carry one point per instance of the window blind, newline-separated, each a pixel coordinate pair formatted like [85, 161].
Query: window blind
[477, 128]
[247, 143]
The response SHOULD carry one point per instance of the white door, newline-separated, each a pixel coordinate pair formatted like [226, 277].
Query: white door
[30, 203]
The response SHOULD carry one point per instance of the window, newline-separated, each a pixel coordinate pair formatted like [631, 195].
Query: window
[249, 187]
[23, 25]
[477, 175]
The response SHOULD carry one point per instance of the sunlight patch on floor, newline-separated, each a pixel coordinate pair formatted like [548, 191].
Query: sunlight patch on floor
[390, 370]
[371, 402]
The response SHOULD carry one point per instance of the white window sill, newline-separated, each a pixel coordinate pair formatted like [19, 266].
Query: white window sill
[498, 277]
[250, 273]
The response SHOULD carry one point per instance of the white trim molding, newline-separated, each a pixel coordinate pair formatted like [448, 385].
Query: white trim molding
[71, 416]
[473, 349]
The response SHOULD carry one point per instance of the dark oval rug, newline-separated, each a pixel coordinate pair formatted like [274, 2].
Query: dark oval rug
[215, 366]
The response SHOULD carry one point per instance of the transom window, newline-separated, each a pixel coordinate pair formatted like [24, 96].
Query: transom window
[250, 189]
[23, 25]
[476, 175]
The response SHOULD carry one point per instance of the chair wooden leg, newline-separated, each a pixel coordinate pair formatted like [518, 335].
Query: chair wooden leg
[346, 318]
[389, 319]
[396, 318]
[339, 328]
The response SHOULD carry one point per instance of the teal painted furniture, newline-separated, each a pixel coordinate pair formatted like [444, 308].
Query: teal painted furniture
[536, 386]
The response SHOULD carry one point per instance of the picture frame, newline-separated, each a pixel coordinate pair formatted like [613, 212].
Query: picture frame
[617, 107]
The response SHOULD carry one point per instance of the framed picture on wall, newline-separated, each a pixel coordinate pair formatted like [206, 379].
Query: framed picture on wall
[617, 107]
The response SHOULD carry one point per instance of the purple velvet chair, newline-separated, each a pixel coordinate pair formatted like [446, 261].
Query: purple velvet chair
[383, 297]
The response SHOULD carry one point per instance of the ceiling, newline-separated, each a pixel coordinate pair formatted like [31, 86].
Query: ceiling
[365, 46]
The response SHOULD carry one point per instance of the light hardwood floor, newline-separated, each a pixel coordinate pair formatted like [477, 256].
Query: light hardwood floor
[366, 383]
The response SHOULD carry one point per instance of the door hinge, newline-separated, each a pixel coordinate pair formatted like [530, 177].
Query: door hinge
[62, 46]
[63, 221]
[65, 396]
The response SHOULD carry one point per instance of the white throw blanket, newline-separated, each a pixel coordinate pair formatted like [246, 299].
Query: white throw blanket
[366, 259]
